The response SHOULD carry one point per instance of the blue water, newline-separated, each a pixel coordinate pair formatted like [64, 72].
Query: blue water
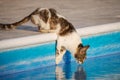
[14, 62]
[97, 68]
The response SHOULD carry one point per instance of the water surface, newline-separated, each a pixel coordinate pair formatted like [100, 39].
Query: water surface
[98, 68]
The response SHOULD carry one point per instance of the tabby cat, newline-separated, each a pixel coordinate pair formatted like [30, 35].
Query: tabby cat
[49, 20]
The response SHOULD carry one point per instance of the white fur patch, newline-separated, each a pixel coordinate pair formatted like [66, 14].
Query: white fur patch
[59, 58]
[44, 25]
[36, 19]
[40, 22]
[70, 41]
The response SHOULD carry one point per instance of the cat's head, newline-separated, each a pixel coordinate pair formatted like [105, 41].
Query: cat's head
[80, 55]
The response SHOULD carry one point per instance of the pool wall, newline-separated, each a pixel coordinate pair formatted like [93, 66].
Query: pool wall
[38, 51]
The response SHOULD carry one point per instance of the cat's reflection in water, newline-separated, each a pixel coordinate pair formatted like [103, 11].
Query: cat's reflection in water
[66, 73]
[80, 74]
[59, 73]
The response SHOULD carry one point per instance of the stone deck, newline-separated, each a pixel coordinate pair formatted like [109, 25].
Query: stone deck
[82, 13]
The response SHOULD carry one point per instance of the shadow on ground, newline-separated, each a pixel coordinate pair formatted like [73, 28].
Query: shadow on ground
[28, 28]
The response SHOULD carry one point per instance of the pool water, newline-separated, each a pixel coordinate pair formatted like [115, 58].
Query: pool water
[37, 62]
[98, 68]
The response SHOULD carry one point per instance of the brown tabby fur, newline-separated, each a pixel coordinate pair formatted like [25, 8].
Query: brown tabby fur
[48, 20]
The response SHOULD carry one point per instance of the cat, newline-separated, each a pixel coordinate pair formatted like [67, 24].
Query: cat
[49, 20]
[68, 39]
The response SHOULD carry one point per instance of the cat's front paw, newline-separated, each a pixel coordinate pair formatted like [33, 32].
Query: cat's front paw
[58, 59]
[44, 31]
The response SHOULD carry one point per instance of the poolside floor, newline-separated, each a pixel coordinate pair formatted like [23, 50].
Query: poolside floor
[81, 13]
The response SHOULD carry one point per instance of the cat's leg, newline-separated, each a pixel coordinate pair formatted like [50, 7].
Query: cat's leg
[59, 54]
[47, 31]
[38, 28]
[44, 30]
[52, 31]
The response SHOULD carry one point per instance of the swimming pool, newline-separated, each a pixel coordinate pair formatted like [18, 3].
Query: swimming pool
[37, 61]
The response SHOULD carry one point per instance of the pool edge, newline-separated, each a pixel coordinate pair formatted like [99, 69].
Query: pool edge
[49, 37]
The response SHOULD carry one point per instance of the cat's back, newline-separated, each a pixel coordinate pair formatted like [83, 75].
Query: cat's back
[70, 41]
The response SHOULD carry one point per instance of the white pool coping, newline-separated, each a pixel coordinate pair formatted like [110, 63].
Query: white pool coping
[48, 37]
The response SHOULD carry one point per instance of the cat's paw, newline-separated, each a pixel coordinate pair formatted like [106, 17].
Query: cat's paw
[58, 59]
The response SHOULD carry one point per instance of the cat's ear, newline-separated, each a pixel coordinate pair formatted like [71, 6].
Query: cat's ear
[84, 49]
[80, 45]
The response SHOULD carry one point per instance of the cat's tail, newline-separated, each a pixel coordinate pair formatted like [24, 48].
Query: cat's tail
[15, 24]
